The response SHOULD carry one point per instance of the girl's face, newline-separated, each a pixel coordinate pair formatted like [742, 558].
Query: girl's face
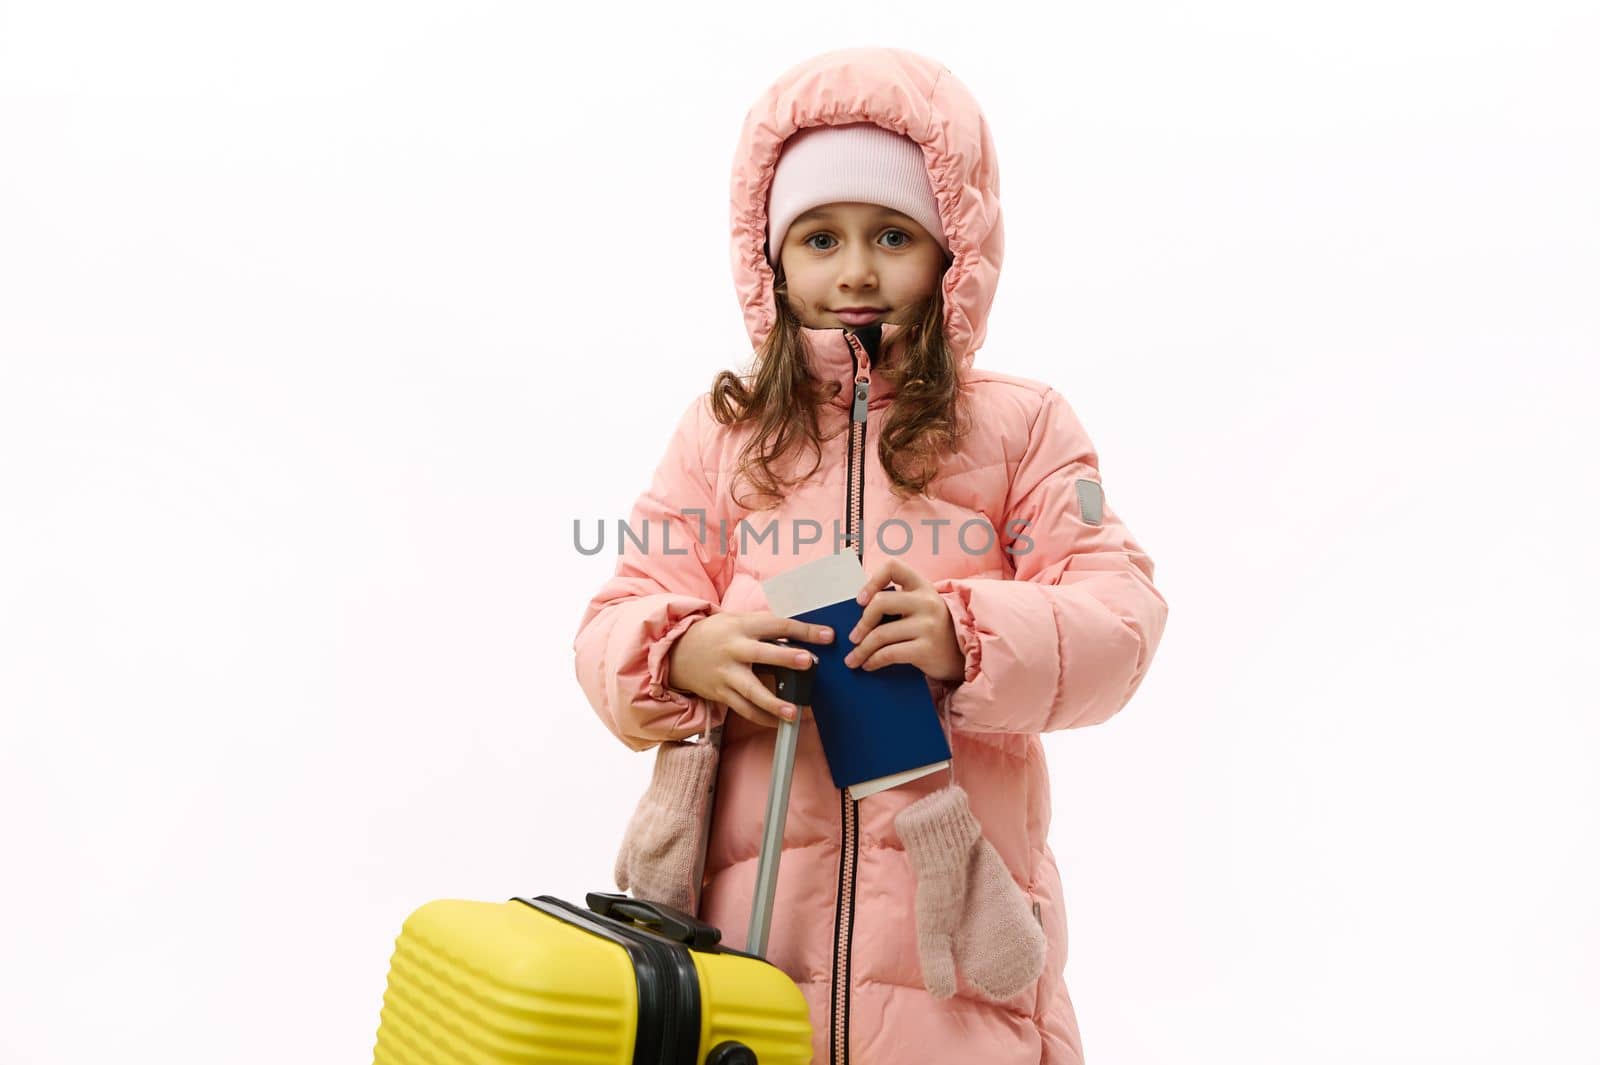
[844, 255]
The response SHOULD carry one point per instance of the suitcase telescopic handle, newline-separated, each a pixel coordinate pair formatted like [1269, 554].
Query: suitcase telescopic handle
[793, 686]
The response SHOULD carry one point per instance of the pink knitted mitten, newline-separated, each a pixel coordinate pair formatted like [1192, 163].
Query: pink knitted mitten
[662, 845]
[970, 914]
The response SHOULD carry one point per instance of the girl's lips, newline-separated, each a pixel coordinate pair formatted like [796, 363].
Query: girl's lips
[859, 317]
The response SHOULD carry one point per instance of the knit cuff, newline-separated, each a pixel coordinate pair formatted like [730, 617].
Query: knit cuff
[938, 830]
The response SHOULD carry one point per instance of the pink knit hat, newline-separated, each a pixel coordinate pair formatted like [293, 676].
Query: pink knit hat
[856, 163]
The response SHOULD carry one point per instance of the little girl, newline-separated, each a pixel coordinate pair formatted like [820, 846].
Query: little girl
[924, 923]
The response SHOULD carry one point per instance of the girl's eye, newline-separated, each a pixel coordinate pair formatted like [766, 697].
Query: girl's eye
[905, 238]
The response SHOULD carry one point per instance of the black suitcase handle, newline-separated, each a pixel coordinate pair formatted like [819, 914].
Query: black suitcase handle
[794, 685]
[665, 920]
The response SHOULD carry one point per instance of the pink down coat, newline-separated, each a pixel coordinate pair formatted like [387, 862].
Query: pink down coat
[1056, 636]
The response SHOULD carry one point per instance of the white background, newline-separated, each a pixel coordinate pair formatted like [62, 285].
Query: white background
[322, 322]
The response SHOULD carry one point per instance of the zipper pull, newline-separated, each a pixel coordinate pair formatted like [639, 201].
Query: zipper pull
[863, 381]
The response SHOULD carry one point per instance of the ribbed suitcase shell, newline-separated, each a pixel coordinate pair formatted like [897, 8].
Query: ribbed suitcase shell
[491, 983]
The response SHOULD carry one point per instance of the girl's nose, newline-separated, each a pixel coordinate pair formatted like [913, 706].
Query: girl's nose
[856, 267]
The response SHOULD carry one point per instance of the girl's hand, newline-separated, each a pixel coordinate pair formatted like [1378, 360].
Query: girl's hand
[713, 658]
[924, 635]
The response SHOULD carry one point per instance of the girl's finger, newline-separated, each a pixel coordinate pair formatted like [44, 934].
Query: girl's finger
[877, 580]
[894, 632]
[908, 579]
[774, 654]
[770, 626]
[902, 603]
[765, 702]
[804, 630]
[904, 651]
[895, 571]
[749, 710]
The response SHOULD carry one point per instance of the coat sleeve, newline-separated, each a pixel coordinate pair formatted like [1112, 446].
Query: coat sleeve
[657, 591]
[1069, 639]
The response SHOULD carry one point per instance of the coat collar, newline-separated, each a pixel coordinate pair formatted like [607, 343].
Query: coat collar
[831, 357]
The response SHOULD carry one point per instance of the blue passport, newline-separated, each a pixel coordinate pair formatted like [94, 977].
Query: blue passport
[879, 728]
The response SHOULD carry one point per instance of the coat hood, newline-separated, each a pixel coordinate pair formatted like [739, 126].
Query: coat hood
[911, 95]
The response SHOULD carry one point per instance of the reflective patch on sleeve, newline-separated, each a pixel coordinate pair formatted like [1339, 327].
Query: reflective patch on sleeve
[1091, 500]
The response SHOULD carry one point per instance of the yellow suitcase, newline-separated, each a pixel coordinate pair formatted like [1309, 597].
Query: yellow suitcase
[620, 981]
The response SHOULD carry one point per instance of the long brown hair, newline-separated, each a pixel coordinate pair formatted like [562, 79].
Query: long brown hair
[926, 420]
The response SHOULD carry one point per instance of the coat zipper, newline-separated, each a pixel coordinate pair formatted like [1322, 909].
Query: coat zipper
[844, 916]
